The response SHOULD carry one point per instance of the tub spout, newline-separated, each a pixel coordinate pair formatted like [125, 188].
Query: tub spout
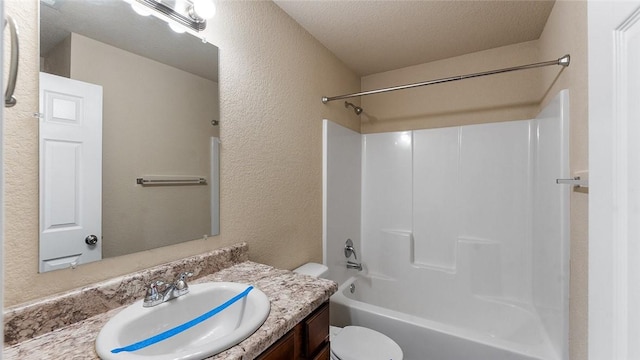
[354, 265]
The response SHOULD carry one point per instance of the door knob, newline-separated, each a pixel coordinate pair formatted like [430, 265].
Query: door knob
[91, 240]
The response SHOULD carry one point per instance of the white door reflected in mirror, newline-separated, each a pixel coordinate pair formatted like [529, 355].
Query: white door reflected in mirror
[70, 172]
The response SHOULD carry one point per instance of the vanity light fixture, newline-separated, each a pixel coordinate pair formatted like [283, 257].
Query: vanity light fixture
[201, 10]
[140, 9]
[177, 28]
[190, 13]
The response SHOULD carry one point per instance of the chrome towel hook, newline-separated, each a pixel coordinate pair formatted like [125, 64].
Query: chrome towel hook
[9, 100]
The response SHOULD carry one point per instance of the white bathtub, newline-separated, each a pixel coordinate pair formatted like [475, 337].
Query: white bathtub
[430, 326]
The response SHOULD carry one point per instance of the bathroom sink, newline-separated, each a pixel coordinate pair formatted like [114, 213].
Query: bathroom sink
[159, 332]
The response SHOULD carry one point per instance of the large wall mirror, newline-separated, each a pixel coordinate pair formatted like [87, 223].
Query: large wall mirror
[123, 98]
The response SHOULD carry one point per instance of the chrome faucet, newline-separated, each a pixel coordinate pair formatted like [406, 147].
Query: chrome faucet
[159, 291]
[348, 250]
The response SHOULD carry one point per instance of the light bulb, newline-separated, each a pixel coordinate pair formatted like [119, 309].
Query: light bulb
[177, 27]
[203, 9]
[140, 9]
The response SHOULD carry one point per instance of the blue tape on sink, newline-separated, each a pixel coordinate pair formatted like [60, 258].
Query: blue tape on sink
[180, 328]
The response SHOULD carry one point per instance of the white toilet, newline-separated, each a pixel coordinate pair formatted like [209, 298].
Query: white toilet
[355, 342]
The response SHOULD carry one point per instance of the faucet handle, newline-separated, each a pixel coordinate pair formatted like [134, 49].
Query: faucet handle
[180, 285]
[154, 285]
[349, 249]
[153, 295]
[183, 277]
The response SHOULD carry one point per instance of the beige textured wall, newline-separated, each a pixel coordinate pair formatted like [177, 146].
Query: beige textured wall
[58, 60]
[156, 121]
[500, 97]
[272, 77]
[566, 33]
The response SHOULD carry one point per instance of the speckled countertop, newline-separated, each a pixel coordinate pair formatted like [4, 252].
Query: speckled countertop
[292, 296]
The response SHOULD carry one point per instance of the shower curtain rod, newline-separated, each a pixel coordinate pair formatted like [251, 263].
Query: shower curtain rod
[563, 61]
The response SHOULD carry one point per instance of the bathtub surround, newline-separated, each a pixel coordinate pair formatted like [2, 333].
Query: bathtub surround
[292, 297]
[468, 223]
[341, 179]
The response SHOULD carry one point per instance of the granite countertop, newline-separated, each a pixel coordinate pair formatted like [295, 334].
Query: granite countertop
[293, 297]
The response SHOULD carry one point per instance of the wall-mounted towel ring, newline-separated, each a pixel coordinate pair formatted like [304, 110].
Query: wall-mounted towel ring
[9, 100]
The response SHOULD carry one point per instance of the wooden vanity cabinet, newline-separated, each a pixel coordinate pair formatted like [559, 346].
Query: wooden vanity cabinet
[281, 350]
[315, 334]
[309, 340]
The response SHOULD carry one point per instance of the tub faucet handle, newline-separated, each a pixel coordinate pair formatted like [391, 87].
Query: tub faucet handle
[349, 249]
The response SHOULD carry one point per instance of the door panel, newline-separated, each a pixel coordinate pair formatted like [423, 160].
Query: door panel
[70, 172]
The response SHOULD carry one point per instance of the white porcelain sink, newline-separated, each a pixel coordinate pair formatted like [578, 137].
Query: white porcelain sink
[218, 332]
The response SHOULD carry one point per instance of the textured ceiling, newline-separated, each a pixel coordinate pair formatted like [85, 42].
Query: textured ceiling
[376, 36]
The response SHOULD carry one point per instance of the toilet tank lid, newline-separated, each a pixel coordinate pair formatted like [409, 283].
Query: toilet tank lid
[313, 269]
[357, 342]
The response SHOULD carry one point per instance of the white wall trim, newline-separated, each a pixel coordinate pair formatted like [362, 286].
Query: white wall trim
[612, 329]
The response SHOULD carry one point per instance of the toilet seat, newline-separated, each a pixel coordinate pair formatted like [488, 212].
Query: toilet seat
[360, 343]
